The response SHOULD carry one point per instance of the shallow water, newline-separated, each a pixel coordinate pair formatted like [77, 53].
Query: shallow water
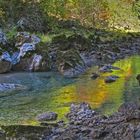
[53, 92]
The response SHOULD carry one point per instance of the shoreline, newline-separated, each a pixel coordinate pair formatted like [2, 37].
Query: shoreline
[84, 123]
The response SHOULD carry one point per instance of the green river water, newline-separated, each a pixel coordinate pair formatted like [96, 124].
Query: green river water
[53, 92]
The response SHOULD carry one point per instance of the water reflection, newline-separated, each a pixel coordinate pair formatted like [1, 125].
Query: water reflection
[51, 91]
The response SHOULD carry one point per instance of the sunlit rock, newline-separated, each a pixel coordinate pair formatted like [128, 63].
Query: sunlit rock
[26, 43]
[33, 63]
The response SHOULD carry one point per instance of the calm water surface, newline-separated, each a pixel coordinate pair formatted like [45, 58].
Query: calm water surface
[53, 92]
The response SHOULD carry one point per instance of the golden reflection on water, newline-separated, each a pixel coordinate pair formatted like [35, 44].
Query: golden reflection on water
[107, 97]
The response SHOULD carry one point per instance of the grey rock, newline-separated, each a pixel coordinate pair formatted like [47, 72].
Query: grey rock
[137, 134]
[79, 112]
[95, 76]
[25, 43]
[108, 68]
[10, 87]
[5, 66]
[48, 116]
[33, 63]
[111, 79]
[3, 39]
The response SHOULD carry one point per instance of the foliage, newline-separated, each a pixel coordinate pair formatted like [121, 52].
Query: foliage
[136, 8]
[95, 13]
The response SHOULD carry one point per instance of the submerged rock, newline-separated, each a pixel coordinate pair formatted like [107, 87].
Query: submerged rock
[95, 75]
[111, 79]
[108, 68]
[9, 87]
[48, 116]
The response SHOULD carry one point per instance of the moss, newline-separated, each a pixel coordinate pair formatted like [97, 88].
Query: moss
[68, 59]
[25, 132]
[42, 49]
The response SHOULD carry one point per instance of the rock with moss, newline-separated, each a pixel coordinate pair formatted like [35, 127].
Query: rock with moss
[5, 66]
[28, 57]
[32, 63]
[79, 42]
[24, 132]
[32, 20]
[66, 53]
[69, 62]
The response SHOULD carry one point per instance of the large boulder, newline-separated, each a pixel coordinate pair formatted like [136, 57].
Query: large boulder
[24, 56]
[33, 63]
[25, 43]
[69, 62]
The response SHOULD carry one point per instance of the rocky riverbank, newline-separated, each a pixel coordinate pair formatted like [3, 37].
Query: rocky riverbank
[69, 54]
[83, 124]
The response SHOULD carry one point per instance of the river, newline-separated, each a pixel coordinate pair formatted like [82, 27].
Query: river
[49, 91]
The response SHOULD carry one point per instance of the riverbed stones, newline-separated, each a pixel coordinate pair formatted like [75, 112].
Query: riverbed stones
[114, 127]
[87, 125]
[80, 111]
[108, 68]
[131, 111]
[48, 116]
